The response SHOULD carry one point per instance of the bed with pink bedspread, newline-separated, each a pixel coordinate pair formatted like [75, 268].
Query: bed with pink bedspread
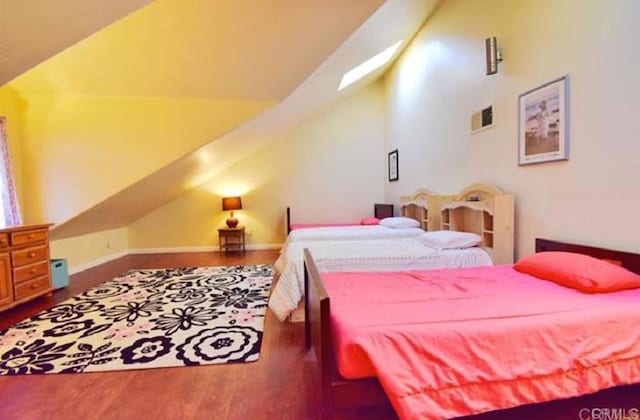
[380, 211]
[449, 343]
[297, 226]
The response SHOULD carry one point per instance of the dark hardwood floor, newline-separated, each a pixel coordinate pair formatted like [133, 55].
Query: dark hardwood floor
[280, 385]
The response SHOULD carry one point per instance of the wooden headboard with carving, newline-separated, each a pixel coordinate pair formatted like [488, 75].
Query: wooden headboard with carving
[487, 211]
[415, 206]
[424, 206]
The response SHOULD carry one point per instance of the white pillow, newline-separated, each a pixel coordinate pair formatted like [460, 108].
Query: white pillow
[400, 222]
[449, 239]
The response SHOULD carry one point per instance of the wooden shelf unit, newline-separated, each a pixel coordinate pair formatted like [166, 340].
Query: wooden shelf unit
[424, 207]
[487, 211]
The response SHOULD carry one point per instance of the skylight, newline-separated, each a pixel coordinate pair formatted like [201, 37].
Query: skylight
[368, 66]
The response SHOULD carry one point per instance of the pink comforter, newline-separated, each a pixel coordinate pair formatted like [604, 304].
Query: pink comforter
[447, 343]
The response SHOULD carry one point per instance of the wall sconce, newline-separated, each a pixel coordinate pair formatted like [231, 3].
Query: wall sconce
[494, 55]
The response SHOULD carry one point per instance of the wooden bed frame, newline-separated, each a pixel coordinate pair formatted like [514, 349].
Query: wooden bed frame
[379, 210]
[337, 392]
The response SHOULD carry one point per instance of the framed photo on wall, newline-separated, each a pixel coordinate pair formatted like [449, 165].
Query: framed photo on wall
[393, 165]
[543, 129]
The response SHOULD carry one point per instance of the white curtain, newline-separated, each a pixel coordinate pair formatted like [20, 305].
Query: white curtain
[10, 208]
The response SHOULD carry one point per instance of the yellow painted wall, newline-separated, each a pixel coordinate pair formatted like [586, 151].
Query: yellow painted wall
[81, 250]
[330, 168]
[12, 108]
[79, 150]
[439, 82]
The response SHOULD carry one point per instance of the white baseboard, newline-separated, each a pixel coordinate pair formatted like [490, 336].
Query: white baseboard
[250, 247]
[82, 267]
[173, 250]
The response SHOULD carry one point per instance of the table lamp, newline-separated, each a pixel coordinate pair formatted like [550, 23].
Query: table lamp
[231, 203]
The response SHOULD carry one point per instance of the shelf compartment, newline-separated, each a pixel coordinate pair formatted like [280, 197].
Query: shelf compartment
[487, 239]
[487, 221]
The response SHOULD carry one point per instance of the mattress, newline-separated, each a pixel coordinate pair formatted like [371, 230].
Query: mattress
[345, 233]
[449, 343]
[372, 256]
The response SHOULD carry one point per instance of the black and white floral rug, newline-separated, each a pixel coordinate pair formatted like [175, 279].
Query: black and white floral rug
[146, 319]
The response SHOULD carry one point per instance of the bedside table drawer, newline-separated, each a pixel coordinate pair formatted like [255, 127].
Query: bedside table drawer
[32, 287]
[29, 255]
[29, 272]
[4, 240]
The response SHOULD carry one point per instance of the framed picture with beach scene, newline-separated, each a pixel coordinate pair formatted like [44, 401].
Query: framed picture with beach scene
[543, 129]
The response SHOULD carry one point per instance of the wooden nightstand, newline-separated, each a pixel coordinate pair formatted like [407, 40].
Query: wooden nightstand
[231, 239]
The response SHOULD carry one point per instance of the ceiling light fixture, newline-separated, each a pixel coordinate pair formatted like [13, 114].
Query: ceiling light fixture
[368, 66]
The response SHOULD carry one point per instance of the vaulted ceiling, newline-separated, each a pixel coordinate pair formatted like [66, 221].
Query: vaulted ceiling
[256, 50]
[32, 31]
[291, 53]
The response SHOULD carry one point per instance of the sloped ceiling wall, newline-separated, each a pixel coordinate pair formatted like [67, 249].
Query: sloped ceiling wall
[254, 50]
[395, 20]
[105, 114]
[32, 31]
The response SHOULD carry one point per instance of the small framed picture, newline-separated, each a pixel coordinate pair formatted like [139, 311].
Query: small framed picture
[543, 129]
[393, 165]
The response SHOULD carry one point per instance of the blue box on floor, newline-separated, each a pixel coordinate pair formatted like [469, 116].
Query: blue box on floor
[59, 273]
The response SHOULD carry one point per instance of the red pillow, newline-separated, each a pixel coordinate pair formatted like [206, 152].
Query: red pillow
[578, 271]
[370, 221]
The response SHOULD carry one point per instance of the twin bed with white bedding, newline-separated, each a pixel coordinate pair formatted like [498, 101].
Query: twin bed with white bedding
[361, 248]
[396, 244]
[345, 233]
[377, 255]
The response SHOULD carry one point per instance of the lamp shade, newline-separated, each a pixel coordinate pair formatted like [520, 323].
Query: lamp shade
[231, 203]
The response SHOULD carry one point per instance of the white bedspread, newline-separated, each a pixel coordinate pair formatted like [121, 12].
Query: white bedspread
[375, 255]
[345, 233]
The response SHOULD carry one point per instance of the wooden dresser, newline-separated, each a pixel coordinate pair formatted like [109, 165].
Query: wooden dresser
[25, 272]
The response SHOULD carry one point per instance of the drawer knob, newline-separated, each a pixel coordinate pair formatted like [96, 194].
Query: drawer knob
[31, 236]
[34, 271]
[34, 286]
[3, 241]
[32, 254]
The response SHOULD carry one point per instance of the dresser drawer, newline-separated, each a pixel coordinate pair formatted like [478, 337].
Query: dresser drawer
[29, 255]
[4, 240]
[29, 236]
[32, 287]
[30, 271]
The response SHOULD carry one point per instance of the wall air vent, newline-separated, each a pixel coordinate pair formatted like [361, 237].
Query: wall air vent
[482, 120]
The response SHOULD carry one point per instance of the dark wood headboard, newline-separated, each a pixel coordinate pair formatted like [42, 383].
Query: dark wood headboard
[627, 260]
[381, 211]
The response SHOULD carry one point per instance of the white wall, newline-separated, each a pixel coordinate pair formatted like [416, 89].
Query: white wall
[329, 168]
[439, 81]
